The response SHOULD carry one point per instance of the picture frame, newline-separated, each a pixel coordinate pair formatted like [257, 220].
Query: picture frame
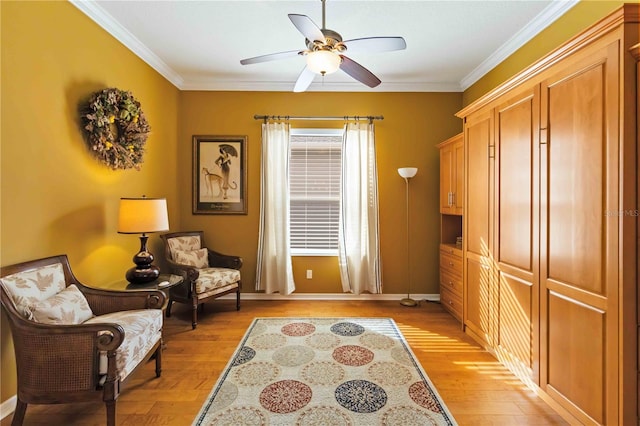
[219, 174]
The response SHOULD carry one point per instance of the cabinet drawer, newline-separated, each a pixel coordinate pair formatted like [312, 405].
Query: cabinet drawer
[451, 303]
[451, 250]
[450, 263]
[451, 282]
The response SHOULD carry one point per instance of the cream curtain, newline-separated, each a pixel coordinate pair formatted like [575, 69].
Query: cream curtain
[274, 272]
[359, 236]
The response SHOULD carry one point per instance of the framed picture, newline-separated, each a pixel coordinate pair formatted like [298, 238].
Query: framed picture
[219, 175]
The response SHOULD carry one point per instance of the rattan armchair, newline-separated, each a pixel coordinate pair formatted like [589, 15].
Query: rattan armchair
[72, 362]
[209, 274]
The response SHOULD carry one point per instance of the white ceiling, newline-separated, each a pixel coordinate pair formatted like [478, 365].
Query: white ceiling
[198, 45]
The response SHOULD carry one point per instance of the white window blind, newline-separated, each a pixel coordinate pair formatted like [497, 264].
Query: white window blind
[314, 182]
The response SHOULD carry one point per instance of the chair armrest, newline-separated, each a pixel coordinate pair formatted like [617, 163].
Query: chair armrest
[189, 273]
[104, 301]
[63, 354]
[220, 260]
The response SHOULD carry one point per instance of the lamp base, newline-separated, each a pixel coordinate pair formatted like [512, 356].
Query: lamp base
[407, 301]
[142, 275]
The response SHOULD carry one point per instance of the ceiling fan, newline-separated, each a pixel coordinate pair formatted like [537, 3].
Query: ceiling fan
[325, 52]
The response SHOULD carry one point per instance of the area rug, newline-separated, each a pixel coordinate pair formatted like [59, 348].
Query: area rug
[323, 371]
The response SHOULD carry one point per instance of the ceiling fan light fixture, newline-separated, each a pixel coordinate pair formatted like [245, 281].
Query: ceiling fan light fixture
[323, 61]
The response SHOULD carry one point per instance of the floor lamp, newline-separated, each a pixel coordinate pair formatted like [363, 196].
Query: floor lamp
[407, 173]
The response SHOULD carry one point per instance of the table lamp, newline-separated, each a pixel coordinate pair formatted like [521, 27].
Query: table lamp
[142, 216]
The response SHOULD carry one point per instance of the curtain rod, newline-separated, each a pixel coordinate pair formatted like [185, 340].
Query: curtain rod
[301, 117]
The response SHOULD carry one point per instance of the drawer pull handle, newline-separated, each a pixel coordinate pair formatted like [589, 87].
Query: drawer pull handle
[450, 263]
[450, 302]
[451, 283]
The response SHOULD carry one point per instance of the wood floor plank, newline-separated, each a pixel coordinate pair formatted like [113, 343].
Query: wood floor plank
[476, 388]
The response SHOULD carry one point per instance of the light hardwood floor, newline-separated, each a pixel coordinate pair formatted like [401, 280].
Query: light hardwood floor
[475, 387]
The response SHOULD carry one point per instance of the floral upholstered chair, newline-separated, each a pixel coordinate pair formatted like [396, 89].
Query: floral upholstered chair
[72, 342]
[209, 274]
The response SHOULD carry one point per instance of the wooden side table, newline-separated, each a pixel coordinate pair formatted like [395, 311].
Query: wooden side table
[163, 283]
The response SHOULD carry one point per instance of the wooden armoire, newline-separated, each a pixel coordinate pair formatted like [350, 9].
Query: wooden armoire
[550, 252]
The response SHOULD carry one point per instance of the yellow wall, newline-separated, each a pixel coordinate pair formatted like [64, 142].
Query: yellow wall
[578, 18]
[55, 198]
[413, 124]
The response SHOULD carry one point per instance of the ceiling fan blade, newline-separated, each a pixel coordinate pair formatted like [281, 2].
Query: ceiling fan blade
[304, 80]
[270, 57]
[375, 44]
[307, 27]
[358, 72]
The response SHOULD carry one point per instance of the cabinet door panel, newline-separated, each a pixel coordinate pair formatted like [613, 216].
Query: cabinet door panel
[579, 260]
[458, 157]
[446, 164]
[477, 308]
[576, 358]
[478, 271]
[516, 252]
[576, 177]
[477, 231]
[515, 331]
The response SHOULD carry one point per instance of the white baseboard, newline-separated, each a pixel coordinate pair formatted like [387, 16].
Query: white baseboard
[8, 407]
[333, 296]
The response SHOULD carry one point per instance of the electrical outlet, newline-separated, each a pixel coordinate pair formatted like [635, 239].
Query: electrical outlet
[309, 274]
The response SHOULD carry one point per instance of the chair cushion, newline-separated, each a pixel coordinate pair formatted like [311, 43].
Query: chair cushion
[196, 258]
[213, 278]
[142, 329]
[29, 287]
[186, 243]
[67, 307]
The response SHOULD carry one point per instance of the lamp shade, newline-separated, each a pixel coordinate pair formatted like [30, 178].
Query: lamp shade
[323, 62]
[407, 172]
[142, 215]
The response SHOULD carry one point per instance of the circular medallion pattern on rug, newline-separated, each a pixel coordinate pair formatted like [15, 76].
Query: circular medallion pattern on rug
[285, 396]
[352, 355]
[400, 355]
[407, 416]
[361, 396]
[268, 341]
[323, 416]
[256, 373]
[422, 395]
[298, 329]
[227, 393]
[246, 354]
[323, 373]
[293, 356]
[347, 329]
[389, 373]
[240, 416]
[376, 341]
[322, 341]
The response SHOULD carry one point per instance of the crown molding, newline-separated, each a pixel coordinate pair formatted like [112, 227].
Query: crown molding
[120, 33]
[545, 18]
[263, 86]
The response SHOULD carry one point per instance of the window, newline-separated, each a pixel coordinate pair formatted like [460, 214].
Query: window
[314, 182]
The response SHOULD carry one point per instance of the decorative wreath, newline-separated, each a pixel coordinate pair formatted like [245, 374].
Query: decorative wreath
[116, 128]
